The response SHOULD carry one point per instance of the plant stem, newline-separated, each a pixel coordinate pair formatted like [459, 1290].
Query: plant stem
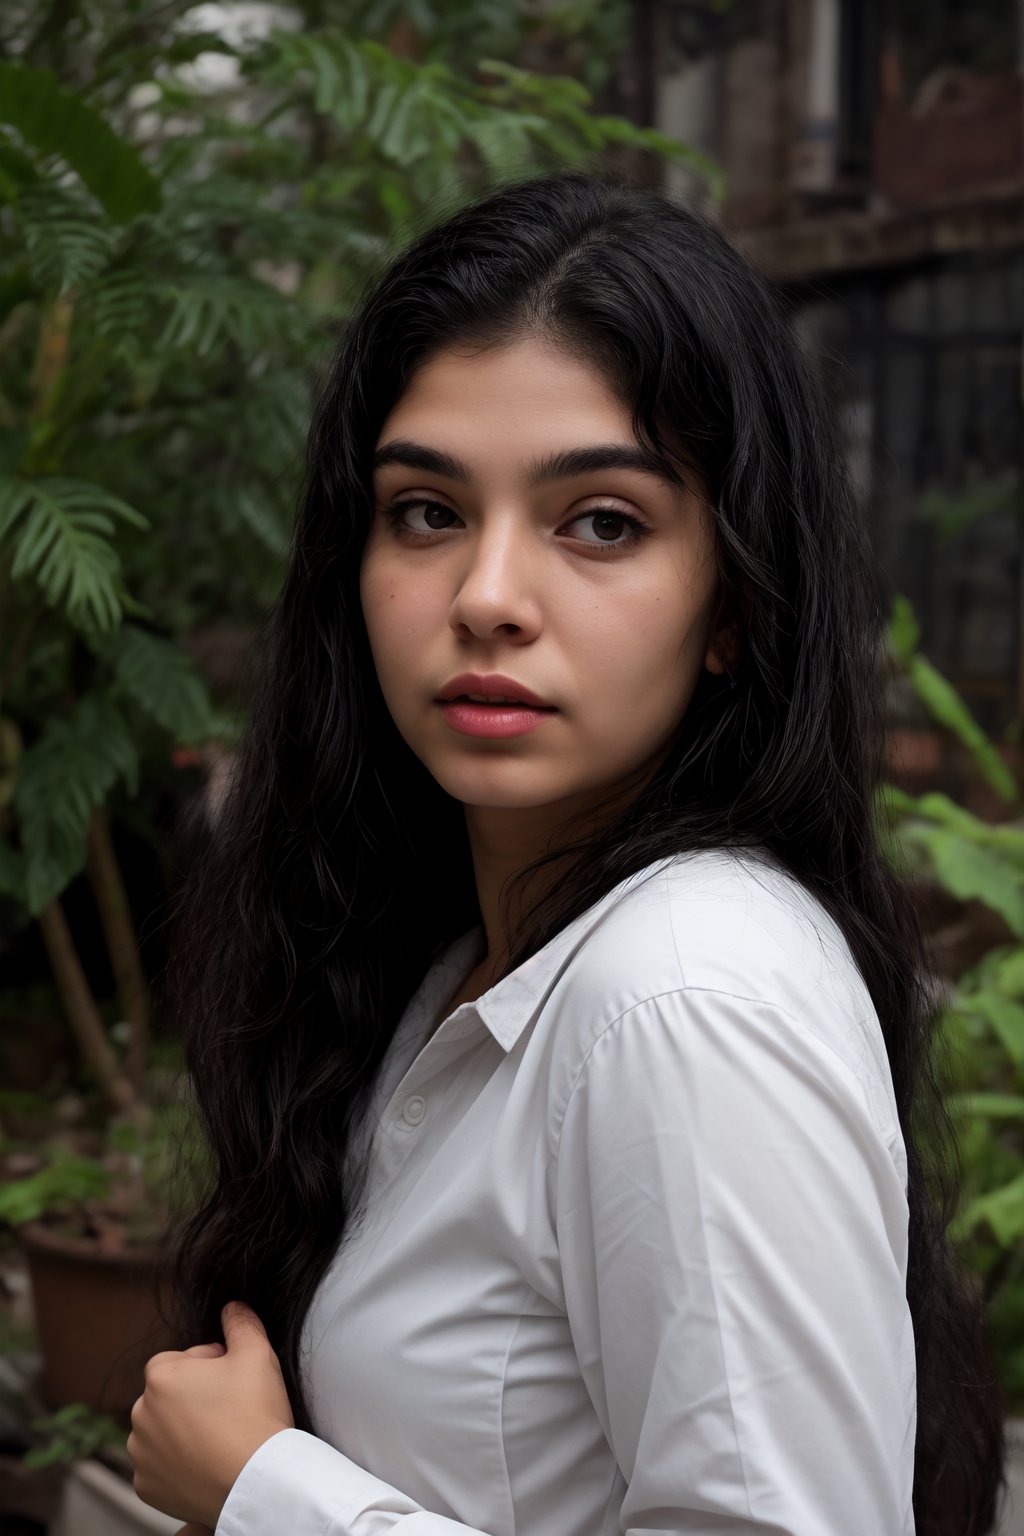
[82, 1013]
[50, 366]
[122, 945]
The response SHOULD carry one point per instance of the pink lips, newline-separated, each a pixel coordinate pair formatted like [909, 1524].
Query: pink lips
[491, 682]
[495, 720]
[492, 719]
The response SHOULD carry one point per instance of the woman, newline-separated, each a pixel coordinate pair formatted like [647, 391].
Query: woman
[555, 1022]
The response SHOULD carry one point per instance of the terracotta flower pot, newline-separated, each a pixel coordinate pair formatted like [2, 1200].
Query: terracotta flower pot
[96, 1319]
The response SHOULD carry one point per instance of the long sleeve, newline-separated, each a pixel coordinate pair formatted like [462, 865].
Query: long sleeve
[732, 1234]
[297, 1485]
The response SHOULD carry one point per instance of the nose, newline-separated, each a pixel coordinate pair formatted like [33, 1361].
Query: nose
[497, 585]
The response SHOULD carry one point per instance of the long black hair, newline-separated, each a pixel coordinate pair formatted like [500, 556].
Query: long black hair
[338, 867]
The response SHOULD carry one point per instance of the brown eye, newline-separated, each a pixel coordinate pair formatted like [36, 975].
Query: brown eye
[431, 509]
[609, 521]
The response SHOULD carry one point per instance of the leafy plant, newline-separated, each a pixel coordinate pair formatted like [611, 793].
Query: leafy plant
[122, 1195]
[981, 1027]
[60, 1187]
[943, 702]
[73, 1433]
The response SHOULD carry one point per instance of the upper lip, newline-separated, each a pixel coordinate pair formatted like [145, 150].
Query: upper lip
[491, 682]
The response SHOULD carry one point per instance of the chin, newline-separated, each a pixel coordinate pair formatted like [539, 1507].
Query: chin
[510, 789]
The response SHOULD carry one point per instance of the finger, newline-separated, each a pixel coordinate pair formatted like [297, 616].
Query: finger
[240, 1323]
[205, 1351]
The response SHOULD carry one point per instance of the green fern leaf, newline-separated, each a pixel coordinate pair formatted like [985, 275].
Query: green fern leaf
[207, 312]
[62, 777]
[56, 121]
[504, 139]
[161, 679]
[60, 530]
[118, 311]
[66, 244]
[343, 73]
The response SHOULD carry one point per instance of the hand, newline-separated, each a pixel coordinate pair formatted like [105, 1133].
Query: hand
[203, 1413]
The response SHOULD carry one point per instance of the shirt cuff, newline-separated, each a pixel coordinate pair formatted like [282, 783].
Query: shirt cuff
[298, 1484]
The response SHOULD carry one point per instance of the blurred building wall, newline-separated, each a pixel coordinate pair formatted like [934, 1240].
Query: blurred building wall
[874, 151]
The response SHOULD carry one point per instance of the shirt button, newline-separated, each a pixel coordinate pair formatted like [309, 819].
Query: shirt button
[413, 1110]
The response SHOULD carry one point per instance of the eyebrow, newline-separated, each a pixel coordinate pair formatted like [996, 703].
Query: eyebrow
[555, 466]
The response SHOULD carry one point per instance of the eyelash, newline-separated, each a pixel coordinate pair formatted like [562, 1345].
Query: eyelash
[639, 529]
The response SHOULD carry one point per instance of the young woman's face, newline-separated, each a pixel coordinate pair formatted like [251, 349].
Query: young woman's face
[487, 556]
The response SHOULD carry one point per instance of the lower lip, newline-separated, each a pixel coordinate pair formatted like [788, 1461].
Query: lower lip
[493, 719]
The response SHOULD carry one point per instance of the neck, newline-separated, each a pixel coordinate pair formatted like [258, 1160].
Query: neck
[503, 841]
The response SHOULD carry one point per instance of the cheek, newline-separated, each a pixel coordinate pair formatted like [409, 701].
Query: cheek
[383, 598]
[636, 644]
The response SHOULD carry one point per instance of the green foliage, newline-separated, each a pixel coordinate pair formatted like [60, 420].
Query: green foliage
[58, 122]
[73, 1433]
[943, 702]
[989, 498]
[60, 1187]
[160, 680]
[63, 777]
[59, 533]
[66, 242]
[141, 1177]
[981, 1028]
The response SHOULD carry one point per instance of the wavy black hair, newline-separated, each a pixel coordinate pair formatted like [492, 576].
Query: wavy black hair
[338, 868]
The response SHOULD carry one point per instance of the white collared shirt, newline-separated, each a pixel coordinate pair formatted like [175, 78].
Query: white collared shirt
[635, 1247]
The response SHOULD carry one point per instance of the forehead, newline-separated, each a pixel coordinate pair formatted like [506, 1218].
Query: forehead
[527, 385]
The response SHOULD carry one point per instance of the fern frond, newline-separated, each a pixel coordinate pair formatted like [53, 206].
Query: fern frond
[60, 531]
[206, 312]
[504, 139]
[118, 312]
[66, 243]
[342, 73]
[61, 779]
[161, 680]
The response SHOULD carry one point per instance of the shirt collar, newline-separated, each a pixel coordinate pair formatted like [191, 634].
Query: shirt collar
[512, 1003]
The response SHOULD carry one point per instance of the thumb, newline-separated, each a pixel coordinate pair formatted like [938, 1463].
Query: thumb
[205, 1351]
[240, 1324]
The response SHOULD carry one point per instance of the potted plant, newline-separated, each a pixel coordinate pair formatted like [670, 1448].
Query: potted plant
[90, 1224]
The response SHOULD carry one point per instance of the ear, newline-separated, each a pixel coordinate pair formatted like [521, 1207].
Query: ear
[723, 652]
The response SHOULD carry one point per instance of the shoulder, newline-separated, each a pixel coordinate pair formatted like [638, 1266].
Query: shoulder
[715, 951]
[718, 920]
